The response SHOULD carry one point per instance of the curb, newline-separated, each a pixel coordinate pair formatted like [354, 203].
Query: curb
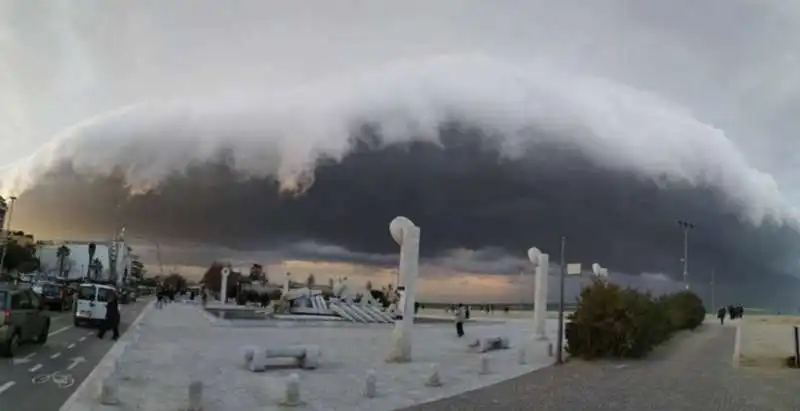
[106, 365]
[737, 346]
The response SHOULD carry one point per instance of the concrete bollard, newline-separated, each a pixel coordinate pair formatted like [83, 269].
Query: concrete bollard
[550, 350]
[484, 368]
[370, 384]
[195, 396]
[291, 396]
[521, 356]
[434, 380]
[310, 360]
[120, 371]
[258, 361]
[109, 391]
[247, 354]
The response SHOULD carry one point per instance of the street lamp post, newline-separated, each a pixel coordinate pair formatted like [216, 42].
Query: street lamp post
[562, 276]
[686, 226]
[713, 291]
[7, 232]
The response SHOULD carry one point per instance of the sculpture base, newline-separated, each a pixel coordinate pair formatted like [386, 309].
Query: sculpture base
[401, 346]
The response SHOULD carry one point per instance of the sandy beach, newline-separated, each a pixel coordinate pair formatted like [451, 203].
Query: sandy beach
[767, 340]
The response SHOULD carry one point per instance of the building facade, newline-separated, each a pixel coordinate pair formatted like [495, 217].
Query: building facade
[72, 261]
[3, 212]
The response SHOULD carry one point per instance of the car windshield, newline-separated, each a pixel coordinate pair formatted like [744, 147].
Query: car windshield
[86, 293]
[3, 296]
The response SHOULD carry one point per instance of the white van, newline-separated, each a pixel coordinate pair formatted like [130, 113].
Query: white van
[90, 303]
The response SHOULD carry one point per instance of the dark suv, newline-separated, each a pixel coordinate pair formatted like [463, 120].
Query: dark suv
[56, 296]
[22, 319]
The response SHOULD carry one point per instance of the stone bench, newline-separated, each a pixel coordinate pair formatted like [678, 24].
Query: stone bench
[491, 343]
[304, 356]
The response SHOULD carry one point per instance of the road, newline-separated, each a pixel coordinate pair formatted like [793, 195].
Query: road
[42, 378]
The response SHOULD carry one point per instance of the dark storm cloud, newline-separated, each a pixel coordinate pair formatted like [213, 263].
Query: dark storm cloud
[462, 193]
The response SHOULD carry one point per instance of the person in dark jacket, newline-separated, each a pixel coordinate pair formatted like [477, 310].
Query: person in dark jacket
[112, 318]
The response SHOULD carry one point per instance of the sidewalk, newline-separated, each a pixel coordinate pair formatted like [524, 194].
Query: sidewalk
[693, 372]
[178, 344]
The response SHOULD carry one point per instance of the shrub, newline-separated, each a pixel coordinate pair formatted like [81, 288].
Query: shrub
[611, 321]
[684, 309]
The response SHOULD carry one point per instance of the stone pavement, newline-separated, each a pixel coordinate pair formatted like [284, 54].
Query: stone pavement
[692, 372]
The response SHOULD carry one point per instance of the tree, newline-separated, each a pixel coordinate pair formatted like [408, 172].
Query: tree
[137, 269]
[20, 258]
[257, 274]
[92, 270]
[175, 281]
[311, 281]
[212, 279]
[149, 282]
[62, 253]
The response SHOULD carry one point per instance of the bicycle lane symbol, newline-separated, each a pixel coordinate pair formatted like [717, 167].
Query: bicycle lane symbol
[57, 378]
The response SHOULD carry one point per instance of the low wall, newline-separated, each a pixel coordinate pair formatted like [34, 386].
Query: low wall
[767, 341]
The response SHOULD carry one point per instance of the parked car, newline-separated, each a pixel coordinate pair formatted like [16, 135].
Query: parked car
[22, 319]
[57, 297]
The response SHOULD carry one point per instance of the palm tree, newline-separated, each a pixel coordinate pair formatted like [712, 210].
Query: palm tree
[92, 249]
[62, 253]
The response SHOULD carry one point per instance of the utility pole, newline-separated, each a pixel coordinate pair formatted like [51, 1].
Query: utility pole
[7, 232]
[562, 276]
[686, 226]
[713, 295]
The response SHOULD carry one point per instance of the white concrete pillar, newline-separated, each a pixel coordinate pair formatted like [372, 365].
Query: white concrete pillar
[407, 235]
[223, 290]
[542, 263]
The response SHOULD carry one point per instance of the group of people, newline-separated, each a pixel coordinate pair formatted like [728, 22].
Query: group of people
[165, 295]
[731, 311]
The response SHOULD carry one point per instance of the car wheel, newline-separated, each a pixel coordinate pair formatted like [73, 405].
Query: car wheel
[77, 322]
[44, 334]
[10, 347]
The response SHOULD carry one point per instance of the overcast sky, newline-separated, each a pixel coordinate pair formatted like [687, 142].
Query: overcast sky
[607, 119]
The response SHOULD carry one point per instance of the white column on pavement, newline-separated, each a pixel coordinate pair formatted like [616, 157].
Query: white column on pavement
[223, 290]
[407, 235]
[541, 262]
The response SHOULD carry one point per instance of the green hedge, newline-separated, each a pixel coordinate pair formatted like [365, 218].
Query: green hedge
[611, 321]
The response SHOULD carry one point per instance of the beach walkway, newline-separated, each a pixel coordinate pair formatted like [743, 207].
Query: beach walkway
[691, 372]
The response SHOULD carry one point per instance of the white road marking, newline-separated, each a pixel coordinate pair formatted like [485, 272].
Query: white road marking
[71, 346]
[82, 339]
[23, 360]
[90, 333]
[35, 368]
[621, 366]
[56, 355]
[58, 331]
[6, 386]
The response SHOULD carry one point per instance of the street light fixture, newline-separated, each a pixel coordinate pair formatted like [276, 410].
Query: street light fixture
[686, 226]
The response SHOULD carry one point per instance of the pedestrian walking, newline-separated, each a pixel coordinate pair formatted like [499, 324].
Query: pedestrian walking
[460, 317]
[159, 298]
[721, 315]
[111, 321]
